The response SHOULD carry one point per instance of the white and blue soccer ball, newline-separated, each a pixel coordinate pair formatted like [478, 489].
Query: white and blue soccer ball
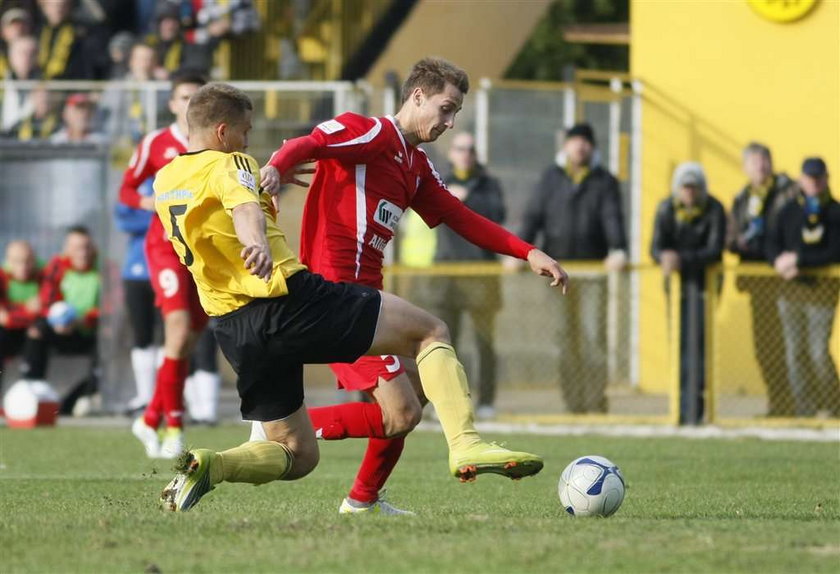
[591, 486]
[61, 314]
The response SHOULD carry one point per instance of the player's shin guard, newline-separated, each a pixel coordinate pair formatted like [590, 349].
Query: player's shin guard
[380, 459]
[350, 420]
[445, 385]
[255, 462]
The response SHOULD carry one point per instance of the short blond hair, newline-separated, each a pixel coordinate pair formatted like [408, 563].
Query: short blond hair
[214, 104]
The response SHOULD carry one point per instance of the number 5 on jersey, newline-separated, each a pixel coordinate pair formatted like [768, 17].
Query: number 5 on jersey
[174, 212]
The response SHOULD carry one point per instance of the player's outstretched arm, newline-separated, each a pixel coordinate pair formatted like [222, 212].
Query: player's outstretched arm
[249, 222]
[546, 266]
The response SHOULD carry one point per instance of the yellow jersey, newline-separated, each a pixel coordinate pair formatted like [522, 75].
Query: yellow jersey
[195, 195]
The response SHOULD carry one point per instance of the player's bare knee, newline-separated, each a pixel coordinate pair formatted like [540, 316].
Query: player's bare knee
[402, 420]
[438, 332]
[306, 458]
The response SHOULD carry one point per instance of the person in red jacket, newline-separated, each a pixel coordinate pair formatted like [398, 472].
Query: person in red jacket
[19, 302]
[69, 315]
[369, 172]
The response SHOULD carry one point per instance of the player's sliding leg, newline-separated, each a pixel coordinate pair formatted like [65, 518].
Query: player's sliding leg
[404, 329]
[288, 451]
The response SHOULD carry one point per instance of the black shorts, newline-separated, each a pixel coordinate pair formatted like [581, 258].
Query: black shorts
[269, 340]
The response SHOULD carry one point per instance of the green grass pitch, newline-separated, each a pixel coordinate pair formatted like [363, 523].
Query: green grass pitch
[84, 500]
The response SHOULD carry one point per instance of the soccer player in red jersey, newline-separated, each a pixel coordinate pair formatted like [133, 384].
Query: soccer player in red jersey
[175, 292]
[369, 172]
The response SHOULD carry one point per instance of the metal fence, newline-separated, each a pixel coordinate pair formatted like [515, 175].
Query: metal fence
[46, 188]
[550, 357]
[773, 346]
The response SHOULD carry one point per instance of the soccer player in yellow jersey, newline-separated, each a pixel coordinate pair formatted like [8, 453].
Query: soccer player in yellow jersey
[274, 315]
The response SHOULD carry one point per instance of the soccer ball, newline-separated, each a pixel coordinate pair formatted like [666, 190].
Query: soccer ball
[591, 486]
[61, 314]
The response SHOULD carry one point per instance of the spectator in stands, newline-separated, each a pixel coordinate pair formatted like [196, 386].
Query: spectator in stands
[67, 50]
[210, 23]
[69, 295]
[14, 23]
[479, 296]
[807, 236]
[576, 208]
[119, 50]
[688, 236]
[125, 108]
[173, 53]
[755, 210]
[22, 65]
[78, 116]
[19, 303]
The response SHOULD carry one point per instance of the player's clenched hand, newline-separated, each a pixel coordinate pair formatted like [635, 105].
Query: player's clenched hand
[543, 265]
[258, 260]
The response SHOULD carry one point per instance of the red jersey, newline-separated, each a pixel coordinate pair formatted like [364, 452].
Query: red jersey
[153, 152]
[367, 176]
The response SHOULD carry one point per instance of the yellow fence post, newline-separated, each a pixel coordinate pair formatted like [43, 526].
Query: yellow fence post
[714, 275]
[674, 293]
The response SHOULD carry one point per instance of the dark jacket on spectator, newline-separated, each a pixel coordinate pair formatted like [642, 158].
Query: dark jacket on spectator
[747, 236]
[699, 241]
[576, 221]
[484, 198]
[815, 239]
[72, 52]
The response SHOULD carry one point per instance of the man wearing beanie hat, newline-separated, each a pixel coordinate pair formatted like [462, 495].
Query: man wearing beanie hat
[808, 236]
[688, 236]
[576, 210]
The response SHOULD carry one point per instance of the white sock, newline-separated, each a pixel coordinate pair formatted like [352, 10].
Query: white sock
[191, 399]
[144, 365]
[207, 391]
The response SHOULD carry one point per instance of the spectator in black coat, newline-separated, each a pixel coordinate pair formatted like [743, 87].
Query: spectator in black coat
[688, 236]
[576, 211]
[807, 236]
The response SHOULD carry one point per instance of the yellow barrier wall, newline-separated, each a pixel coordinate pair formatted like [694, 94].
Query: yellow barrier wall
[717, 75]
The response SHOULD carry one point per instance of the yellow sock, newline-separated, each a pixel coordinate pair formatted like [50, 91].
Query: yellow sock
[256, 462]
[445, 385]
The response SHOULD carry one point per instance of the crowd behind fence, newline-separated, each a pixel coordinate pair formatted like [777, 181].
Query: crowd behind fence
[540, 375]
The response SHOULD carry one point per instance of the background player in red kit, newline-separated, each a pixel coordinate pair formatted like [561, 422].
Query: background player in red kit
[369, 171]
[175, 292]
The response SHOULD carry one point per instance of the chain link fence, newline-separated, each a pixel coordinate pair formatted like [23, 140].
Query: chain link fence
[537, 355]
[774, 345]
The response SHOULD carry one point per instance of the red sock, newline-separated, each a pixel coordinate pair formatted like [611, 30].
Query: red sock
[154, 410]
[350, 420]
[380, 459]
[169, 392]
